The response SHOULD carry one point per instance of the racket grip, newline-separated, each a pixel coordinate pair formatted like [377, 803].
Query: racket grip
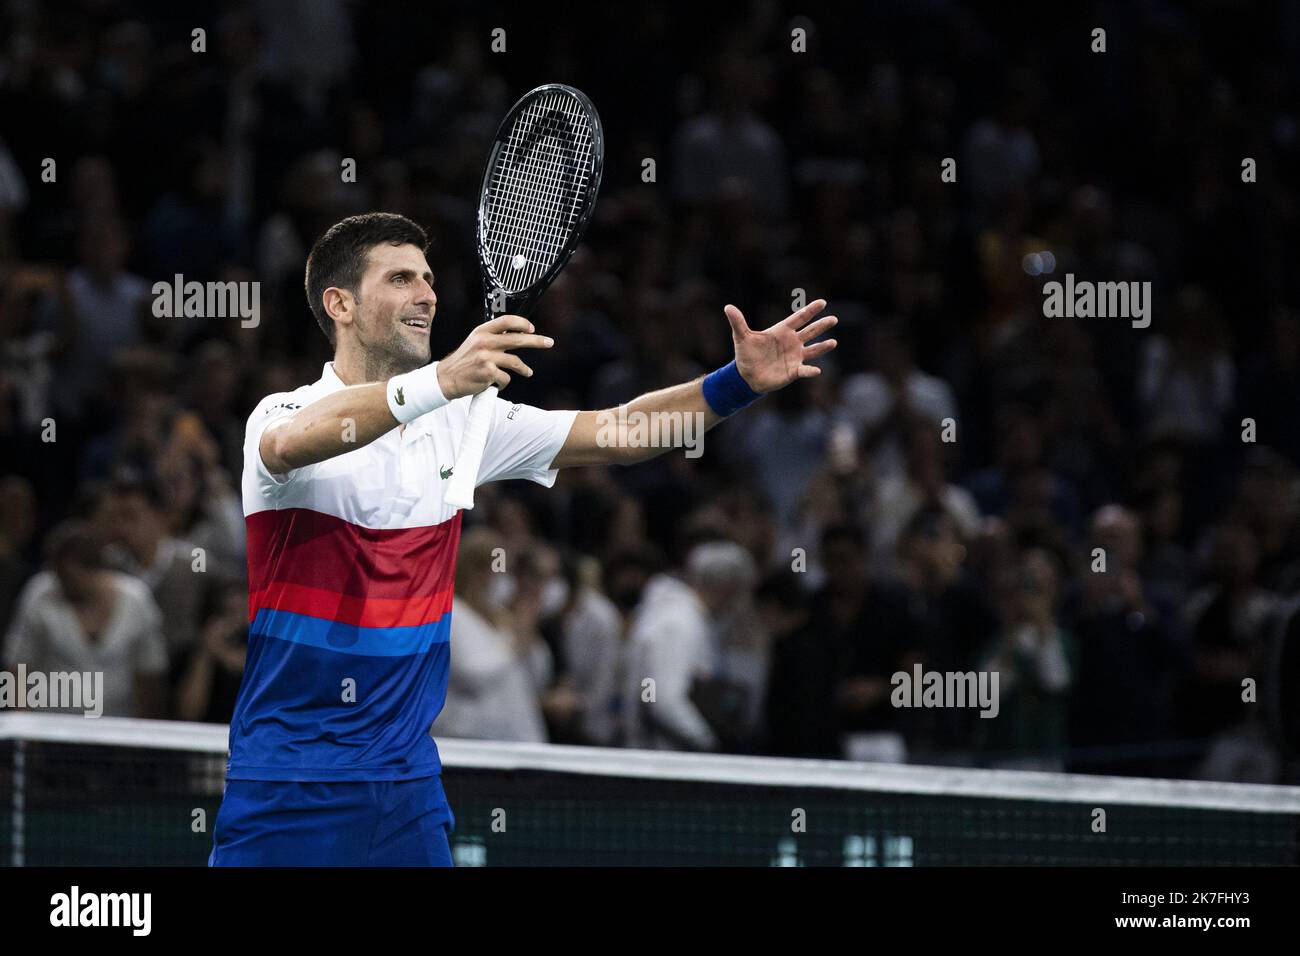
[464, 475]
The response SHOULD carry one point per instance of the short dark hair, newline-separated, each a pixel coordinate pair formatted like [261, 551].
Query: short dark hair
[130, 482]
[72, 542]
[338, 258]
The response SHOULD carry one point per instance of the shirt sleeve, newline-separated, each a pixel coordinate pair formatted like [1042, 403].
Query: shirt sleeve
[523, 442]
[270, 409]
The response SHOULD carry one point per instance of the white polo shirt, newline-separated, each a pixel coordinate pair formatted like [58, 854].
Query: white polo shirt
[351, 565]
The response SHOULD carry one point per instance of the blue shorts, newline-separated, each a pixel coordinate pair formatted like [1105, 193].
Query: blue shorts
[371, 823]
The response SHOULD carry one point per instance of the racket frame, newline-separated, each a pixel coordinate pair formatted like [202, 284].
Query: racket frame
[460, 493]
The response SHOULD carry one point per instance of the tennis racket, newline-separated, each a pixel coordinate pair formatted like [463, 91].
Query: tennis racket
[539, 190]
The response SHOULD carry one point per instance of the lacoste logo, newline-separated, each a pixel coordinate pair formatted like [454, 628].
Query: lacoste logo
[445, 473]
[401, 399]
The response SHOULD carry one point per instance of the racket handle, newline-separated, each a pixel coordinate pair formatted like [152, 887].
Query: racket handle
[464, 475]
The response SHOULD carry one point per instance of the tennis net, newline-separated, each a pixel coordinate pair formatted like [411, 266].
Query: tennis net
[78, 792]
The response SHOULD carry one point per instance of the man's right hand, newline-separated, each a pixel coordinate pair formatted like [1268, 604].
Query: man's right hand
[484, 358]
[353, 417]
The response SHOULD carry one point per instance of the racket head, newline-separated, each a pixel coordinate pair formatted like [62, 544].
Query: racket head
[539, 191]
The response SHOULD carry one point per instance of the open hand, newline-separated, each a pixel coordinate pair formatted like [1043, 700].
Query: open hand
[773, 358]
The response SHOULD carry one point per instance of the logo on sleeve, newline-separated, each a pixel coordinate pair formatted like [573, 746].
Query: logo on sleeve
[401, 399]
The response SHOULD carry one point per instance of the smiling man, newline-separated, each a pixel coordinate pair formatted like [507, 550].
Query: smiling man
[352, 548]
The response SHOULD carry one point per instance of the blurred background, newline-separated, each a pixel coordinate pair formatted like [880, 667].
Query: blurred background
[827, 538]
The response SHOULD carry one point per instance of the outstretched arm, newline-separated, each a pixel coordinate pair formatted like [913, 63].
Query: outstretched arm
[766, 361]
[346, 420]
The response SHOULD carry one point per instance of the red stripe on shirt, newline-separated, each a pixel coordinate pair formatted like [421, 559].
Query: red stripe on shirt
[363, 612]
[324, 566]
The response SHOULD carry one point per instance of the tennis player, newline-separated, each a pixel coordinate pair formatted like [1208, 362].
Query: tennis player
[351, 548]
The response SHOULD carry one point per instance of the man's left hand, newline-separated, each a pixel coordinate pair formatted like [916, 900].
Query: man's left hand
[773, 358]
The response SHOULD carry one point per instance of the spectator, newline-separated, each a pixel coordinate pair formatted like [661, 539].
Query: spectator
[500, 664]
[593, 655]
[1128, 653]
[140, 393]
[1001, 151]
[732, 143]
[1187, 377]
[13, 191]
[799, 718]
[1020, 488]
[886, 403]
[1269, 388]
[669, 651]
[107, 304]
[838, 667]
[17, 531]
[1167, 567]
[212, 668]
[1227, 621]
[780, 445]
[32, 348]
[77, 615]
[922, 485]
[201, 506]
[949, 623]
[133, 516]
[1267, 503]
[213, 394]
[723, 576]
[1035, 661]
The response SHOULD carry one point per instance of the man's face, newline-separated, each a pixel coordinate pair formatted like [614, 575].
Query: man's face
[396, 305]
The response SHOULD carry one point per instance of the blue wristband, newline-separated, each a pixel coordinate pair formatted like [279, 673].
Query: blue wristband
[726, 392]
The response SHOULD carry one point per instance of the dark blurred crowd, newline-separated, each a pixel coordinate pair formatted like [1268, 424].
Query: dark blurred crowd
[935, 498]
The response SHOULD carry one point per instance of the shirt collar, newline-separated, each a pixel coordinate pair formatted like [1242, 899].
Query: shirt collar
[330, 379]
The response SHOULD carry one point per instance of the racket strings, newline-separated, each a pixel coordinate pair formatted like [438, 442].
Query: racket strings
[537, 189]
[561, 151]
[535, 200]
[554, 165]
[534, 193]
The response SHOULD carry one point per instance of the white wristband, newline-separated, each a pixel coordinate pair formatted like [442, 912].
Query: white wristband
[411, 394]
